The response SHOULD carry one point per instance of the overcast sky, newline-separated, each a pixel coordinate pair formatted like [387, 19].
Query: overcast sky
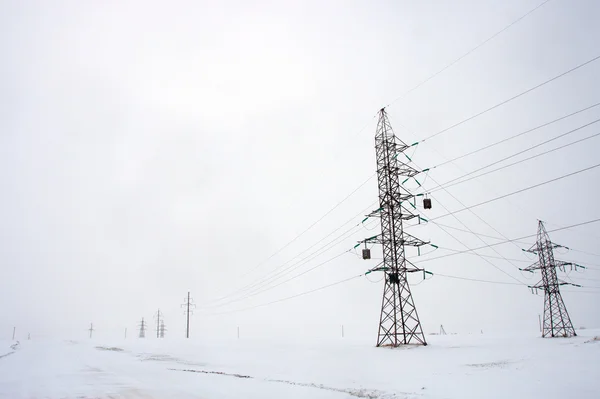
[151, 148]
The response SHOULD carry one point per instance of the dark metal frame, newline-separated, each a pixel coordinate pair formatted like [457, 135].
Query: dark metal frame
[557, 322]
[143, 326]
[399, 322]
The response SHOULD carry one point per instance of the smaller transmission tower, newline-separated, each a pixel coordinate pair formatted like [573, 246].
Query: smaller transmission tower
[91, 330]
[188, 303]
[162, 329]
[557, 322]
[158, 319]
[143, 328]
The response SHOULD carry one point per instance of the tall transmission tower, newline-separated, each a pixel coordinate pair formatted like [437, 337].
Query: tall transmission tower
[399, 322]
[188, 304]
[557, 322]
[143, 328]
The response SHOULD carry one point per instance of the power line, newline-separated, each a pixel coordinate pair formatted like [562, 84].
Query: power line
[266, 278]
[454, 182]
[519, 191]
[515, 136]
[566, 116]
[507, 241]
[255, 292]
[475, 279]
[483, 258]
[309, 227]
[306, 259]
[471, 232]
[293, 296]
[281, 270]
[582, 292]
[510, 99]
[469, 52]
[583, 252]
[444, 187]
[475, 214]
[438, 274]
[257, 287]
[479, 237]
[458, 166]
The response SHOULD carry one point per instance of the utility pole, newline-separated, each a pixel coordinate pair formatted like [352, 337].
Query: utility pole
[125, 332]
[91, 329]
[162, 329]
[14, 332]
[28, 336]
[540, 321]
[188, 303]
[157, 315]
[399, 322]
[342, 331]
[557, 322]
[142, 329]
[238, 332]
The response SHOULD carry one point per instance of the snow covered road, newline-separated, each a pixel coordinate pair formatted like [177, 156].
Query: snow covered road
[453, 366]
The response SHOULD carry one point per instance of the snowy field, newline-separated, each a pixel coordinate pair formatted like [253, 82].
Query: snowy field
[452, 366]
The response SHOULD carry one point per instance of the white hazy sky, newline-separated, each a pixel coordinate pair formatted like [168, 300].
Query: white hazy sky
[150, 148]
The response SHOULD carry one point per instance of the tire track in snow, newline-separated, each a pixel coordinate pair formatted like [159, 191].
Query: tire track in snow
[14, 348]
[357, 392]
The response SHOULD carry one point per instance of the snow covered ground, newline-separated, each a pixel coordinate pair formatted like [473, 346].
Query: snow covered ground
[452, 366]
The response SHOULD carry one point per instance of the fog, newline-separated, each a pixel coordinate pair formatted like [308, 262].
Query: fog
[148, 149]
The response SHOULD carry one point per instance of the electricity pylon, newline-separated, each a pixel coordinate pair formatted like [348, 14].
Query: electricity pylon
[162, 329]
[157, 315]
[557, 322]
[188, 304]
[142, 328]
[399, 322]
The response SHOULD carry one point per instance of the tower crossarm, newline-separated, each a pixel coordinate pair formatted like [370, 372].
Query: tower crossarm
[535, 266]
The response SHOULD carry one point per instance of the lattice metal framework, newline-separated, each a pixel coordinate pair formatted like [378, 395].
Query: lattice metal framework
[162, 329]
[557, 322]
[143, 327]
[399, 322]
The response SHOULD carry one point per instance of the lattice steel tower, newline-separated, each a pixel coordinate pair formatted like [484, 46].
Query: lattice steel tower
[557, 322]
[399, 322]
[143, 327]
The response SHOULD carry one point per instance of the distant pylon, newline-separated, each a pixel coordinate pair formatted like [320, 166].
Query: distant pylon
[557, 322]
[158, 319]
[91, 330]
[188, 304]
[162, 329]
[442, 331]
[399, 322]
[142, 329]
